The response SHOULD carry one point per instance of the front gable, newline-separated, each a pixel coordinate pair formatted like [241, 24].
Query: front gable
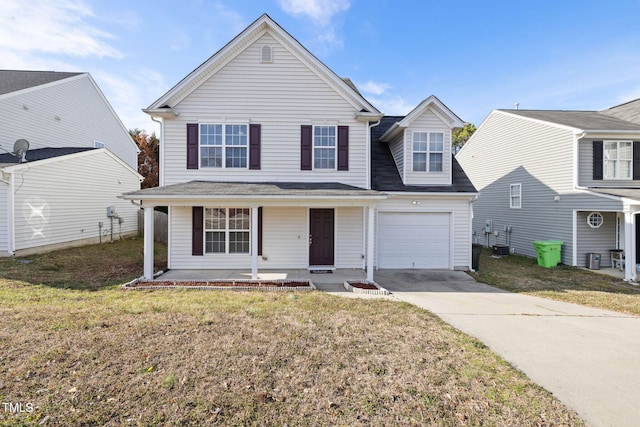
[277, 98]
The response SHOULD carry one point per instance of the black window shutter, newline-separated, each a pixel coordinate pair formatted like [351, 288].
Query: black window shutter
[192, 146]
[197, 234]
[306, 147]
[598, 169]
[254, 146]
[260, 231]
[343, 148]
[636, 160]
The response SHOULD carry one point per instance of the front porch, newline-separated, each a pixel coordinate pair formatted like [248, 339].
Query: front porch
[338, 276]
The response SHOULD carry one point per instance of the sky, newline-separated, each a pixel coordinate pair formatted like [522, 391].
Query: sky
[475, 56]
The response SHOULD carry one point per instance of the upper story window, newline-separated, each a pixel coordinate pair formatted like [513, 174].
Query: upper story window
[223, 145]
[618, 157]
[266, 54]
[515, 196]
[428, 151]
[324, 147]
[98, 144]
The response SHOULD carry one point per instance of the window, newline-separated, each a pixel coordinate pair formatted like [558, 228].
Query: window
[428, 151]
[98, 144]
[515, 196]
[223, 146]
[266, 54]
[595, 219]
[227, 230]
[324, 147]
[618, 156]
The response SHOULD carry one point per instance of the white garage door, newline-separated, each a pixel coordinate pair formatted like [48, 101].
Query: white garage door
[413, 240]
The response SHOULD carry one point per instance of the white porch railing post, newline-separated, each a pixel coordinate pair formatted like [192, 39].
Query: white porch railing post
[254, 242]
[370, 237]
[148, 242]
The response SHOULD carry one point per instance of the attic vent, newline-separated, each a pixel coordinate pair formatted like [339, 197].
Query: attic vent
[266, 54]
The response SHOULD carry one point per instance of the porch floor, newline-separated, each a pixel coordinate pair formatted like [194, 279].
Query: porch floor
[338, 276]
[608, 271]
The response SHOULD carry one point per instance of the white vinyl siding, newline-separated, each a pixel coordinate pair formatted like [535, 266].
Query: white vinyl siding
[31, 115]
[280, 96]
[596, 240]
[397, 151]
[4, 218]
[349, 234]
[438, 153]
[64, 200]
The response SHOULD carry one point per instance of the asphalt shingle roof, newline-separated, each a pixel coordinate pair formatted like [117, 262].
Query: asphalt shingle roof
[42, 154]
[385, 175]
[584, 120]
[14, 80]
[257, 189]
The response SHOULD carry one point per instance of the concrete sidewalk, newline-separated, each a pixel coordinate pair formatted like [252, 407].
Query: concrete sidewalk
[588, 358]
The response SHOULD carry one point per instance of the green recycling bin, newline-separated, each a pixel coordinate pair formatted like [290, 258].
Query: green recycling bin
[548, 252]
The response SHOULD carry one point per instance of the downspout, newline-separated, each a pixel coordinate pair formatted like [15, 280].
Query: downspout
[161, 152]
[364, 212]
[11, 249]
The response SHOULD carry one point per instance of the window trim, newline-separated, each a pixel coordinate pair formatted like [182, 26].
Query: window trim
[616, 161]
[513, 197]
[224, 146]
[593, 214]
[335, 148]
[428, 151]
[226, 231]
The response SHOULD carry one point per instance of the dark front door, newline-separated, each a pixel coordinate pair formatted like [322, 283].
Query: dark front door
[321, 236]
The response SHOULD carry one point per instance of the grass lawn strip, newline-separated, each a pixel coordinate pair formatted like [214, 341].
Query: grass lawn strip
[84, 352]
[522, 274]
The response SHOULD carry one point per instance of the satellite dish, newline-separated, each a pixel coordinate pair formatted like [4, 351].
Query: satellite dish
[20, 148]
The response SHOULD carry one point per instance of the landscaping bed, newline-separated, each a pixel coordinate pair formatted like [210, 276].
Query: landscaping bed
[363, 287]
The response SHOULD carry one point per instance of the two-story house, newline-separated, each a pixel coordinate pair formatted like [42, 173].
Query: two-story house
[65, 157]
[572, 176]
[269, 160]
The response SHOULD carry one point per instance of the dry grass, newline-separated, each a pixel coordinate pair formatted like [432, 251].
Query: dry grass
[523, 275]
[177, 357]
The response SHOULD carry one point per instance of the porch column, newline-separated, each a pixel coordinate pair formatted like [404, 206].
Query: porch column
[148, 242]
[370, 237]
[629, 247]
[254, 242]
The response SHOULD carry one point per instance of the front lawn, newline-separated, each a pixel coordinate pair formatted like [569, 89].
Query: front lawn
[82, 351]
[522, 274]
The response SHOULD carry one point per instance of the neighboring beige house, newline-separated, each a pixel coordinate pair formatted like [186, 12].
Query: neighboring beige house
[269, 160]
[80, 159]
[572, 176]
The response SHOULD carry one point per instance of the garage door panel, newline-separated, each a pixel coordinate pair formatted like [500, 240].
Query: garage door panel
[413, 240]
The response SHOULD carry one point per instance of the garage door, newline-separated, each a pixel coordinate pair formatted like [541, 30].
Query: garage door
[413, 240]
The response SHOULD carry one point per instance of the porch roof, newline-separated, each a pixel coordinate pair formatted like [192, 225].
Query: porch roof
[628, 193]
[254, 190]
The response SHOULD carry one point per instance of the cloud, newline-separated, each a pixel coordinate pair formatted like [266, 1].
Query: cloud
[395, 106]
[320, 11]
[373, 87]
[60, 28]
[129, 93]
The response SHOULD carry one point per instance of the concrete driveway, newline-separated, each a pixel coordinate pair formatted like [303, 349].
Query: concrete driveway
[588, 358]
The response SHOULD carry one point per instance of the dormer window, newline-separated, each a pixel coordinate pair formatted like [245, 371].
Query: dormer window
[428, 151]
[266, 54]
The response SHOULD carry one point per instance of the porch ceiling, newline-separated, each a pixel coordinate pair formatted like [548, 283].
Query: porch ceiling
[628, 193]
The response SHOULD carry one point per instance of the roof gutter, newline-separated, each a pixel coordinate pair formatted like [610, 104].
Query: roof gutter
[391, 132]
[367, 116]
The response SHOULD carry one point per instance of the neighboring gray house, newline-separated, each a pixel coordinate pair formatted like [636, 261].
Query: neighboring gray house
[80, 159]
[269, 160]
[572, 176]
